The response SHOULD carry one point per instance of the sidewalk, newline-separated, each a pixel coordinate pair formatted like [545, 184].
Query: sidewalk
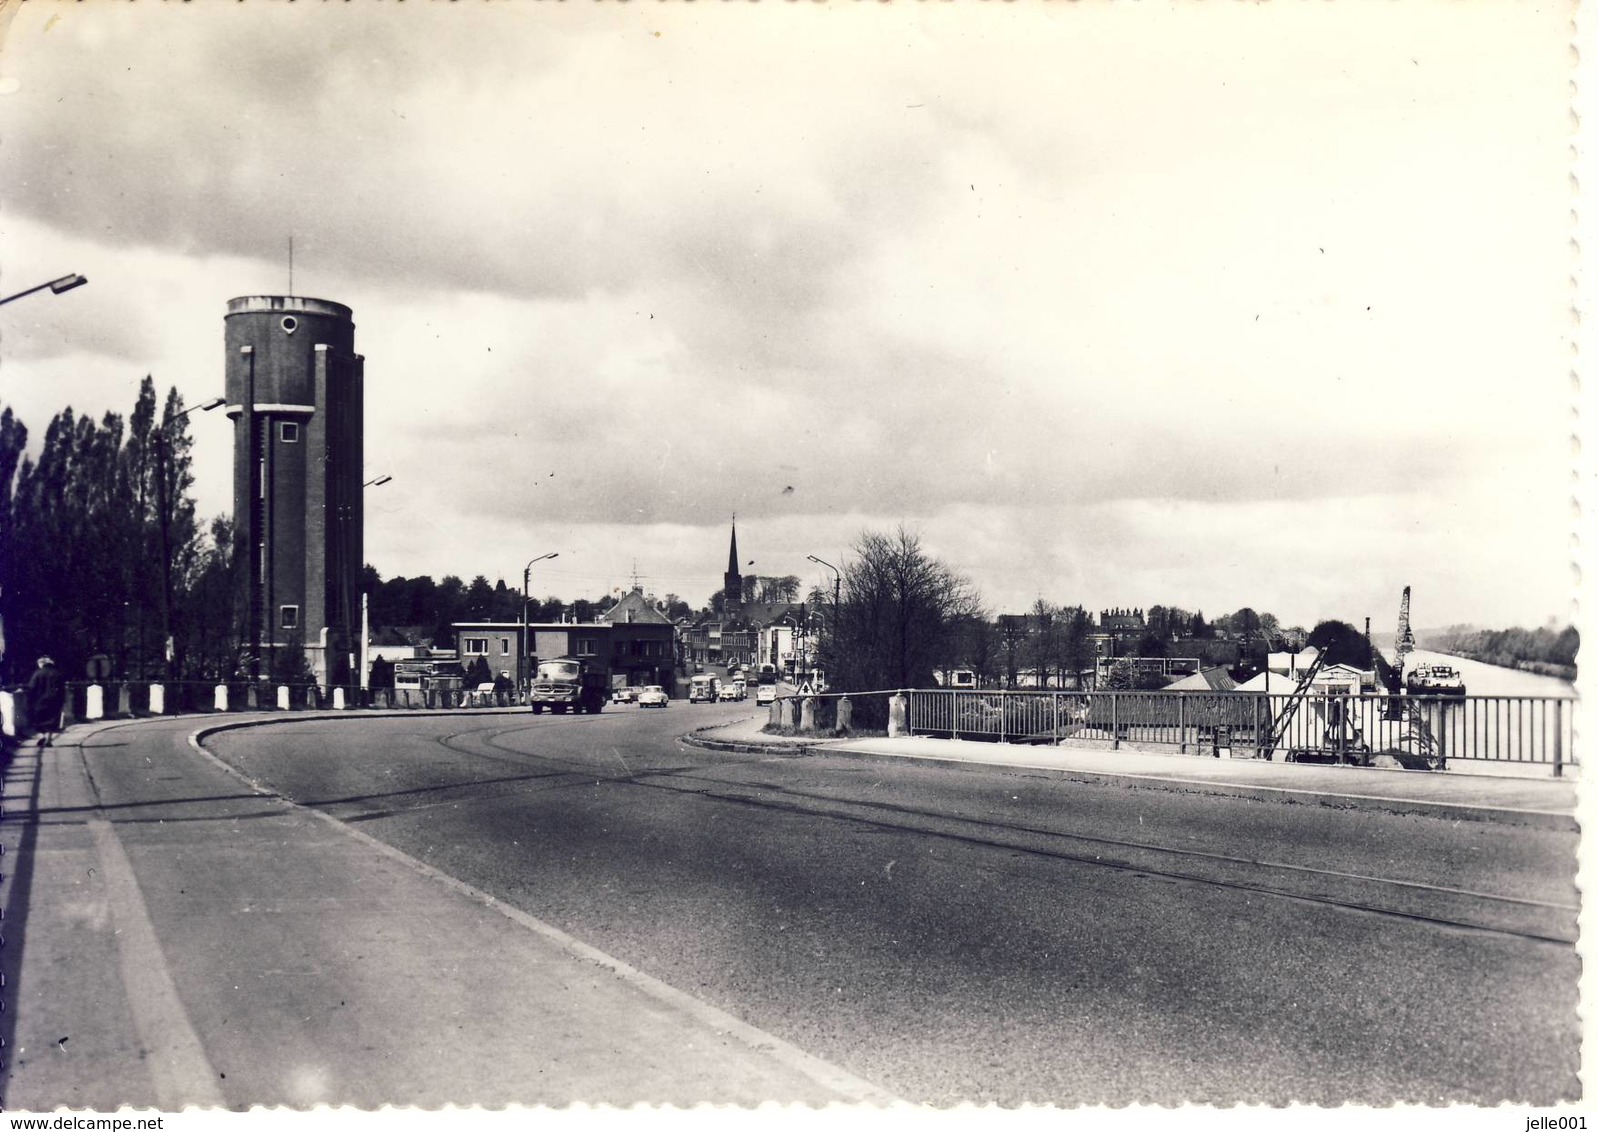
[1456, 795]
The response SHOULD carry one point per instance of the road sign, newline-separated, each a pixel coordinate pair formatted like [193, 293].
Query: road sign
[99, 666]
[805, 690]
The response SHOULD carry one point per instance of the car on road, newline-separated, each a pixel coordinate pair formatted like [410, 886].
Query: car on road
[653, 696]
[732, 690]
[766, 693]
[624, 695]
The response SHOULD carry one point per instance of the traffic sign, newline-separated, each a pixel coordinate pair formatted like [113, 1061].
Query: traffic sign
[99, 666]
[805, 690]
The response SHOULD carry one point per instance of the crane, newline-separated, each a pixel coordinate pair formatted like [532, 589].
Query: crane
[1403, 640]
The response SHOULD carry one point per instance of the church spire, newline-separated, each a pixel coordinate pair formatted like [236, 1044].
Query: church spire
[732, 583]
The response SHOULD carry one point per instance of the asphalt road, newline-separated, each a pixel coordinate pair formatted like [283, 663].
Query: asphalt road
[981, 935]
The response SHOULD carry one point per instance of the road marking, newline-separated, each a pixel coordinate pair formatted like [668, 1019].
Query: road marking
[824, 1073]
[178, 1067]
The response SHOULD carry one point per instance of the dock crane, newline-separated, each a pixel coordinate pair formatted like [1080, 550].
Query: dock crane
[1404, 639]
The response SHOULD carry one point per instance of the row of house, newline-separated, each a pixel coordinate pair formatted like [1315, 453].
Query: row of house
[640, 643]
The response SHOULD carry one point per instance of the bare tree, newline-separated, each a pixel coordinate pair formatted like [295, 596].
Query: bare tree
[900, 608]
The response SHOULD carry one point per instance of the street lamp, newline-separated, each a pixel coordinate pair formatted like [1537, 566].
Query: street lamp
[836, 587]
[56, 286]
[527, 575]
[162, 443]
[366, 624]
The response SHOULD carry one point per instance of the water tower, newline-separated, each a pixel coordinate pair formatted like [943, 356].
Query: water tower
[294, 391]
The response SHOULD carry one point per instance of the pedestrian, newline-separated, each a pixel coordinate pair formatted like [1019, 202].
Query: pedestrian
[44, 699]
[503, 689]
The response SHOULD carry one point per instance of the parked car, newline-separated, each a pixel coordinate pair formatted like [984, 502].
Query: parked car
[766, 693]
[653, 696]
[624, 695]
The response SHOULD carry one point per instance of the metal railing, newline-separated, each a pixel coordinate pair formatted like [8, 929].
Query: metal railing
[1417, 731]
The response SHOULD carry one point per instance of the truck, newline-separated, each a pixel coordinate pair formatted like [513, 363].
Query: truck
[570, 683]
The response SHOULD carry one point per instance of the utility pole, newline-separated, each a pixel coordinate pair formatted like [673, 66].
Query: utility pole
[837, 578]
[527, 576]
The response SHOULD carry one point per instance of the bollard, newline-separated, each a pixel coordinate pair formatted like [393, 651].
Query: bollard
[157, 699]
[95, 707]
[124, 700]
[774, 714]
[338, 699]
[252, 698]
[219, 698]
[807, 714]
[8, 713]
[896, 712]
[790, 714]
[845, 714]
[282, 697]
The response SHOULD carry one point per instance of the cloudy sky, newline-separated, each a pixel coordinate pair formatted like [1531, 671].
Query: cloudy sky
[1200, 304]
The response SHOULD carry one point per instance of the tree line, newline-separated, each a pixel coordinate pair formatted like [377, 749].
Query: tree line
[86, 527]
[82, 533]
[905, 615]
[1547, 650]
[420, 603]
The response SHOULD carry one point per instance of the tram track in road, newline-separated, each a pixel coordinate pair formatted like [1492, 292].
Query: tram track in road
[1460, 908]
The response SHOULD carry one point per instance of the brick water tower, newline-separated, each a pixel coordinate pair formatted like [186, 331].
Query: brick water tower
[294, 391]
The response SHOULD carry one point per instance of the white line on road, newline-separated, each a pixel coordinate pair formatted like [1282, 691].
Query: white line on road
[824, 1073]
[179, 1069]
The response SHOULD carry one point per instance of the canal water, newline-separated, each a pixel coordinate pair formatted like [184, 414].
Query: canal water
[1490, 680]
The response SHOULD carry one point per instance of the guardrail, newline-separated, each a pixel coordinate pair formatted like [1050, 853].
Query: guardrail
[831, 713]
[1403, 730]
[131, 699]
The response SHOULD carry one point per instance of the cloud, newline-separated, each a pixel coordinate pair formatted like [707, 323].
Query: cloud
[1059, 272]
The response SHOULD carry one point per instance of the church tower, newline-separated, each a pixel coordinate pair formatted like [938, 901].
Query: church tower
[732, 582]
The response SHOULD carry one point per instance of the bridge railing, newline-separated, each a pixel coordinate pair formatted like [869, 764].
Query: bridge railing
[1410, 730]
[135, 699]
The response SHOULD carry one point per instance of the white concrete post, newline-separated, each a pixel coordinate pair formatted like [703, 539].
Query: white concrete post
[282, 697]
[807, 714]
[219, 701]
[790, 713]
[845, 713]
[338, 699]
[157, 699]
[95, 707]
[366, 644]
[8, 713]
[896, 713]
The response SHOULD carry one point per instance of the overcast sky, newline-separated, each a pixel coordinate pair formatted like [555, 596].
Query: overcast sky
[1208, 305]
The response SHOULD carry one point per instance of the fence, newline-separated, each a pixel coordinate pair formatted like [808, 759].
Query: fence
[137, 699]
[825, 713]
[1408, 730]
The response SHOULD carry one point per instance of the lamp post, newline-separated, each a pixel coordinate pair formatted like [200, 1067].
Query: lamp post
[836, 587]
[366, 626]
[527, 575]
[163, 452]
[56, 286]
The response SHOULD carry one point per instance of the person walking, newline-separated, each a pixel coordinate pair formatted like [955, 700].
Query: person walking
[44, 698]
